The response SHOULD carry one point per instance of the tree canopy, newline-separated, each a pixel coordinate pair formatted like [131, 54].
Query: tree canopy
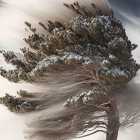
[91, 52]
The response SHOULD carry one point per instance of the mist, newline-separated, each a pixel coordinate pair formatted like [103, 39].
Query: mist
[12, 32]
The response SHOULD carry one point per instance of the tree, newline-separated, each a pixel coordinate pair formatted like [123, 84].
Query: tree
[19, 105]
[94, 53]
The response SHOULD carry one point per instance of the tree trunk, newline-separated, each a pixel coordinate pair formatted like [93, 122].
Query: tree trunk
[113, 122]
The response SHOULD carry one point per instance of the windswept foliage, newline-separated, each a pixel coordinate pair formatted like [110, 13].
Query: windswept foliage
[93, 53]
[19, 104]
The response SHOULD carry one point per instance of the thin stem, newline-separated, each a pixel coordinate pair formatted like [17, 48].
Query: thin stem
[92, 133]
[102, 87]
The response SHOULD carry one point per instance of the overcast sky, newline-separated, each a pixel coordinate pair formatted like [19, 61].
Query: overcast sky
[128, 11]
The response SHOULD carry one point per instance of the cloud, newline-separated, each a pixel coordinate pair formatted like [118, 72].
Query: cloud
[11, 127]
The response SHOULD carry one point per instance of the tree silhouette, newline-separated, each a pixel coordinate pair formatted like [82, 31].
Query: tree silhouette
[94, 53]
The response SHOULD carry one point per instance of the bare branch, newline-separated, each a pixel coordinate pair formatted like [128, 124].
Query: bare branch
[92, 133]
